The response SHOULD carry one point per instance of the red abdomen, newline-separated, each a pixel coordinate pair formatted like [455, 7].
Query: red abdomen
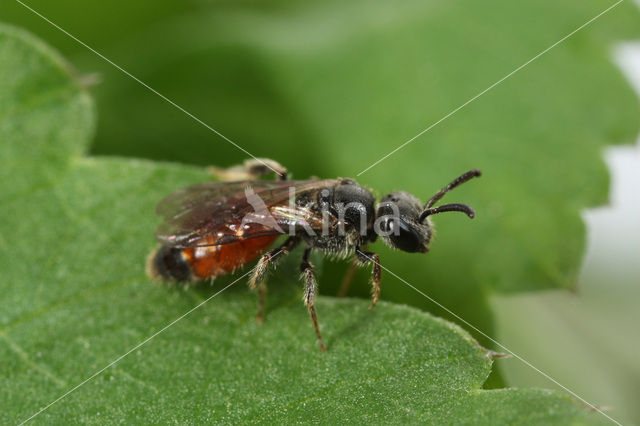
[196, 263]
[213, 261]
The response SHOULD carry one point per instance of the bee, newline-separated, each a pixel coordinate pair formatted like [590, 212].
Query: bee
[213, 228]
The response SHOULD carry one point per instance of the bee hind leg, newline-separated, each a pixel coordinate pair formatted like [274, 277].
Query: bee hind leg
[310, 293]
[262, 298]
[251, 169]
[266, 263]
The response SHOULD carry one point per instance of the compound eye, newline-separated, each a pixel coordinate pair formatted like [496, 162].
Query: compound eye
[402, 235]
[408, 239]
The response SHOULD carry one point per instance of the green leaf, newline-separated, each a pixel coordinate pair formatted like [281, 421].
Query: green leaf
[74, 235]
[595, 328]
[328, 88]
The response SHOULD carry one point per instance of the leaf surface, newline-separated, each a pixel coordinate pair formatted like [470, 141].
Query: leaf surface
[74, 234]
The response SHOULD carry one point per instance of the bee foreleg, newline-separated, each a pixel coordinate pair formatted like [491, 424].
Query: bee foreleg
[310, 293]
[250, 169]
[365, 258]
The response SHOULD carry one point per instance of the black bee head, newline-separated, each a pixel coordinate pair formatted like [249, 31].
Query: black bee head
[399, 226]
[405, 224]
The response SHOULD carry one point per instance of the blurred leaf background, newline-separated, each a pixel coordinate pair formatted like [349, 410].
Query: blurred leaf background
[329, 88]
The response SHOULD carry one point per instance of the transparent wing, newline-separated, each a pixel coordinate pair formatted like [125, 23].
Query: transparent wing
[213, 213]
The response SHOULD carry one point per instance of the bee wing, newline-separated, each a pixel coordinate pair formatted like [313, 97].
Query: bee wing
[213, 213]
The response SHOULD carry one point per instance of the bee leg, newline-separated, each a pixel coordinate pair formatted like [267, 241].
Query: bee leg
[263, 166]
[251, 169]
[310, 293]
[260, 272]
[364, 258]
[269, 260]
[262, 298]
[348, 278]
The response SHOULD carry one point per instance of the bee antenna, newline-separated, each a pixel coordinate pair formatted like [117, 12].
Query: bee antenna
[454, 207]
[456, 182]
